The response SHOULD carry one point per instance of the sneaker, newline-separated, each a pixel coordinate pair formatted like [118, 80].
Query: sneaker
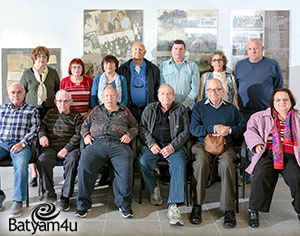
[126, 212]
[64, 204]
[155, 198]
[33, 182]
[174, 215]
[16, 209]
[2, 198]
[83, 213]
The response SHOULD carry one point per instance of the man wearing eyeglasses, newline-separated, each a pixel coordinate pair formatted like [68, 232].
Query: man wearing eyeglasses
[215, 116]
[59, 138]
[181, 74]
[143, 80]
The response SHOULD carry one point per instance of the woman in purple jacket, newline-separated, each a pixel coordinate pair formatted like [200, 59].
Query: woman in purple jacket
[272, 136]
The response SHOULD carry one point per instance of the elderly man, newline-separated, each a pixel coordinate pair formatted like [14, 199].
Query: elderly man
[143, 79]
[215, 116]
[107, 131]
[256, 78]
[19, 124]
[165, 130]
[181, 74]
[59, 138]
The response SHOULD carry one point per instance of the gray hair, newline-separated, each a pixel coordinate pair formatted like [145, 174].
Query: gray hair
[138, 43]
[17, 83]
[256, 40]
[163, 85]
[62, 91]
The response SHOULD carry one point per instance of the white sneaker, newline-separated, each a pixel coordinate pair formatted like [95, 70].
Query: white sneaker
[155, 198]
[174, 215]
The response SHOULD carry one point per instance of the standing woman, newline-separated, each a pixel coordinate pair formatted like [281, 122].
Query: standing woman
[109, 77]
[79, 86]
[218, 63]
[41, 82]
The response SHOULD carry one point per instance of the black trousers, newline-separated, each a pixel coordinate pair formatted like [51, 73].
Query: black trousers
[265, 178]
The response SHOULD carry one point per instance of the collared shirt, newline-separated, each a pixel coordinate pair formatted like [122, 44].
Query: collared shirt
[138, 85]
[208, 102]
[18, 125]
[184, 80]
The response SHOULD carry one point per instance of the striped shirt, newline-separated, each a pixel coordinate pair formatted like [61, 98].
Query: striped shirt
[63, 131]
[287, 148]
[80, 93]
[19, 125]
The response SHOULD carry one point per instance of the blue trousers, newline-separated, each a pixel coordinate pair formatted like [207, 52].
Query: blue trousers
[92, 159]
[20, 161]
[177, 166]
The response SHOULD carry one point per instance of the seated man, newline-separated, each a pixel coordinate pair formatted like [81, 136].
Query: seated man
[107, 131]
[60, 137]
[215, 116]
[19, 124]
[165, 130]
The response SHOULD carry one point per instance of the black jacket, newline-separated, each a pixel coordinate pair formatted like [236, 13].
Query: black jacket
[152, 78]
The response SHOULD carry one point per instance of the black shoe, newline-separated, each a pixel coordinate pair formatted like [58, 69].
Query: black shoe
[229, 219]
[253, 218]
[33, 182]
[298, 216]
[196, 215]
[82, 213]
[126, 212]
[51, 199]
[64, 203]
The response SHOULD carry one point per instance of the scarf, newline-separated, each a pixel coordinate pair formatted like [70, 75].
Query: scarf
[42, 90]
[103, 84]
[289, 137]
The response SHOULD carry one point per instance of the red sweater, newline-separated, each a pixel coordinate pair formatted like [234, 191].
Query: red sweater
[80, 93]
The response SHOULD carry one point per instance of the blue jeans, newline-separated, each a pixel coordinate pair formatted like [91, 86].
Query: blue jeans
[177, 166]
[20, 161]
[92, 159]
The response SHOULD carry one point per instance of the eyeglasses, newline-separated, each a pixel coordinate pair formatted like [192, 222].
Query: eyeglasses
[63, 101]
[216, 90]
[217, 60]
[139, 82]
[76, 67]
[282, 100]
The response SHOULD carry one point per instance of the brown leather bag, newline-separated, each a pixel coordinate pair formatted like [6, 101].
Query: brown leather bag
[214, 145]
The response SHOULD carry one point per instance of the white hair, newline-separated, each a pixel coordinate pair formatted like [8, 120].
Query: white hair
[62, 91]
[17, 83]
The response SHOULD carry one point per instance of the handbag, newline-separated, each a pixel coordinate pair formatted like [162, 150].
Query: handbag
[213, 145]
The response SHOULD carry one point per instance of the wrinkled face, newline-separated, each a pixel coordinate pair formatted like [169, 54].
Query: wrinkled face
[16, 94]
[255, 50]
[214, 91]
[138, 51]
[63, 103]
[41, 60]
[166, 96]
[217, 63]
[76, 69]
[109, 66]
[282, 102]
[178, 52]
[110, 98]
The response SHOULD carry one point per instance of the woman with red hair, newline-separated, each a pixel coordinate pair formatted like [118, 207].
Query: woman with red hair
[79, 86]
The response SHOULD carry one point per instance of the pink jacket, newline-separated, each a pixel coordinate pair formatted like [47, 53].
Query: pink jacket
[259, 127]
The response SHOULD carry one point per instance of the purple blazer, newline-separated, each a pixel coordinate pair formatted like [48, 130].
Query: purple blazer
[259, 127]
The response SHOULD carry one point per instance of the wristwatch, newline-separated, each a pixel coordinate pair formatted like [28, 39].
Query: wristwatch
[23, 144]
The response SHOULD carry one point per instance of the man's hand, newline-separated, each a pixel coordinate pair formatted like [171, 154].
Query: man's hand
[167, 151]
[44, 141]
[88, 139]
[222, 130]
[62, 153]
[16, 148]
[259, 148]
[125, 138]
[155, 149]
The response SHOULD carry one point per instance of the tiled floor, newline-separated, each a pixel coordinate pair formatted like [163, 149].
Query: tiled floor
[104, 219]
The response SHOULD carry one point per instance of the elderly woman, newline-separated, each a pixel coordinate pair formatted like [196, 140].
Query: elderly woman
[218, 63]
[41, 82]
[272, 136]
[79, 86]
[109, 77]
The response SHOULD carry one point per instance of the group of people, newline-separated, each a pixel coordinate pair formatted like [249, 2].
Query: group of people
[165, 106]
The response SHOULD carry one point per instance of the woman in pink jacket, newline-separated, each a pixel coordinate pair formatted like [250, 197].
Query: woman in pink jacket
[272, 136]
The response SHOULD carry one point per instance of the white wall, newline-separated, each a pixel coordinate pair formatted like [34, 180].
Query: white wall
[59, 24]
